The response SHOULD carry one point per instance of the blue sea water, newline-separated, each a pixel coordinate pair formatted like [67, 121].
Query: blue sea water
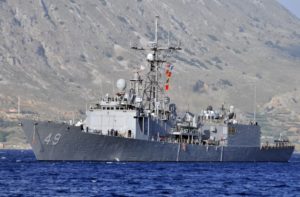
[22, 175]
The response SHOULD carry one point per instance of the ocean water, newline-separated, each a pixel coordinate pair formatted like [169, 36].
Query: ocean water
[22, 175]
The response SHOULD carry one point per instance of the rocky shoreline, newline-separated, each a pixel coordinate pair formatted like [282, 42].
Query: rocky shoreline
[14, 146]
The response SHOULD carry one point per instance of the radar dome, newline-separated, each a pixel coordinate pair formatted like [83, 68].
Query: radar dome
[150, 57]
[121, 84]
[231, 109]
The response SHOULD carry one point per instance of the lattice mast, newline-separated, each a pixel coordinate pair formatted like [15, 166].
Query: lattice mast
[154, 98]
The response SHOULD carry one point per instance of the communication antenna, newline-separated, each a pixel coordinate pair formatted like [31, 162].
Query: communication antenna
[113, 86]
[101, 88]
[73, 117]
[19, 103]
[168, 38]
[156, 28]
[254, 113]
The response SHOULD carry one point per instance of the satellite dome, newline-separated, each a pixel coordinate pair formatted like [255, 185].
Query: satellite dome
[231, 109]
[150, 57]
[121, 84]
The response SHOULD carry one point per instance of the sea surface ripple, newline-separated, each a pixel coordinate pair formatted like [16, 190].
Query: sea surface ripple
[22, 175]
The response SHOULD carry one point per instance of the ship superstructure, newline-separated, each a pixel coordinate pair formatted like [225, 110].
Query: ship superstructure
[142, 110]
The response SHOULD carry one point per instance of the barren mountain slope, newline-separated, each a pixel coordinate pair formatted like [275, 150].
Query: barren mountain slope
[59, 55]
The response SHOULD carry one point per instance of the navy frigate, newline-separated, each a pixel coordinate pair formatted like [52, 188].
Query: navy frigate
[140, 124]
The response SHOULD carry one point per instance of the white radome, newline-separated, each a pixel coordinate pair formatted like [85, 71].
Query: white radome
[150, 57]
[121, 84]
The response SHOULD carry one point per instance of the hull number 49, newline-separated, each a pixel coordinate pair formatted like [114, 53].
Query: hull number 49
[52, 139]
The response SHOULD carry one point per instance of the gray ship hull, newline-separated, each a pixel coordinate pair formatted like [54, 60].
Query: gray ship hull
[62, 142]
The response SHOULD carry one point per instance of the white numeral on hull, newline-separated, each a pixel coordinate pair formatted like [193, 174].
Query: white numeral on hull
[52, 139]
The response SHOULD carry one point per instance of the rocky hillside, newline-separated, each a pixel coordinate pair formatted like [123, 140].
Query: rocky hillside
[59, 55]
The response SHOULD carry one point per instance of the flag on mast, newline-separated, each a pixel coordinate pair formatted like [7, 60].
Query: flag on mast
[168, 72]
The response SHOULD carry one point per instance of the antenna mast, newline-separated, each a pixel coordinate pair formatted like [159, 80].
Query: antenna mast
[254, 113]
[156, 28]
[19, 107]
[153, 92]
